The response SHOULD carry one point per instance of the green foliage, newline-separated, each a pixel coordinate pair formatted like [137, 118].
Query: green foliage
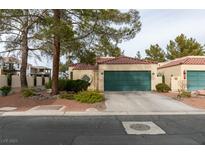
[183, 46]
[28, 92]
[138, 55]
[155, 53]
[5, 90]
[162, 87]
[87, 57]
[184, 94]
[63, 67]
[66, 95]
[89, 97]
[70, 85]
[48, 84]
[94, 30]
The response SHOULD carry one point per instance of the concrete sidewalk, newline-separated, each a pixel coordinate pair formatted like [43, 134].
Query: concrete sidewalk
[97, 113]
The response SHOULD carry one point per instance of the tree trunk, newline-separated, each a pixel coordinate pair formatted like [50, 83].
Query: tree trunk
[56, 54]
[24, 52]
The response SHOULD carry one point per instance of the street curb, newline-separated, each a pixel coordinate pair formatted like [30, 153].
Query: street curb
[60, 113]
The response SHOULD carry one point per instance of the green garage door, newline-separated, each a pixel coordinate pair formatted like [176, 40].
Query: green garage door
[195, 80]
[127, 80]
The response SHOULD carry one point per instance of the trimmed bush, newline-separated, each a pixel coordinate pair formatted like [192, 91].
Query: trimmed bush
[5, 90]
[162, 87]
[89, 97]
[70, 85]
[65, 95]
[27, 92]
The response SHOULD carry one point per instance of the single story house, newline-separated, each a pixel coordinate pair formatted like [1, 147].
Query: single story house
[184, 73]
[117, 74]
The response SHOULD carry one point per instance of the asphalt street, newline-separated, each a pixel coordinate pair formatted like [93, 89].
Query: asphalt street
[100, 130]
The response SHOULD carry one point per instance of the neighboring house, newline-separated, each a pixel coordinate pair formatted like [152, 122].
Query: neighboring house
[117, 74]
[39, 71]
[187, 72]
[12, 65]
[9, 65]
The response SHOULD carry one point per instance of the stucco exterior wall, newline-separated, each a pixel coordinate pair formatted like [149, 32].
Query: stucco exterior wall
[46, 79]
[38, 81]
[78, 74]
[70, 69]
[30, 81]
[127, 67]
[3, 80]
[15, 83]
[176, 81]
[169, 72]
[193, 67]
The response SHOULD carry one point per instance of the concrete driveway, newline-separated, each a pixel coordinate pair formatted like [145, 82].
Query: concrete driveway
[143, 102]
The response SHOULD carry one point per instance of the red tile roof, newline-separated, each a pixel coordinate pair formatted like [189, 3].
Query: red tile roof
[103, 59]
[126, 60]
[185, 61]
[81, 66]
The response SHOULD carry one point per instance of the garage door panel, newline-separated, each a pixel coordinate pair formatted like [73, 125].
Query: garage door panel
[127, 81]
[195, 80]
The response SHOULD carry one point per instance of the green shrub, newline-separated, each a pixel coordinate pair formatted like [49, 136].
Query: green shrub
[162, 87]
[65, 95]
[70, 85]
[27, 92]
[48, 85]
[5, 90]
[185, 94]
[89, 97]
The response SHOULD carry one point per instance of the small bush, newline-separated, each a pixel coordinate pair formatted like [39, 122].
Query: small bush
[185, 94]
[89, 97]
[28, 92]
[48, 85]
[65, 95]
[162, 87]
[5, 90]
[70, 85]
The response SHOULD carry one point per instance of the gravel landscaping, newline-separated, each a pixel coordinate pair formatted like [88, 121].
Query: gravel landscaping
[22, 104]
[195, 101]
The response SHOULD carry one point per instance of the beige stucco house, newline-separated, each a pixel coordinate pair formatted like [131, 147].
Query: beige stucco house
[187, 72]
[118, 74]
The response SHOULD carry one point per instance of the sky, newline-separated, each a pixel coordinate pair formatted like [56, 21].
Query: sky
[159, 26]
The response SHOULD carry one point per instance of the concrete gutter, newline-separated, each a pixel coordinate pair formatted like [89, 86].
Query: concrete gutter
[97, 113]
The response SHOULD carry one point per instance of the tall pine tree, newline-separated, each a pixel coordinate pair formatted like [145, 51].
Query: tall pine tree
[183, 46]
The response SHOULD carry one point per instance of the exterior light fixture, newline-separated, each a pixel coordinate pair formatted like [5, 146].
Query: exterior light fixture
[184, 74]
